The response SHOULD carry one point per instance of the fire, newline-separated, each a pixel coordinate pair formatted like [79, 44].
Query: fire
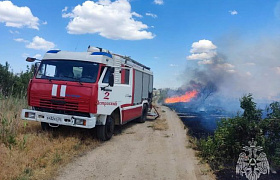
[184, 98]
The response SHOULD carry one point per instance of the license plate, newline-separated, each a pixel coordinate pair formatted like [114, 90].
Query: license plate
[53, 118]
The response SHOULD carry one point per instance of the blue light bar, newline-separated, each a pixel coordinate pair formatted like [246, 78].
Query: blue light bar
[102, 54]
[53, 51]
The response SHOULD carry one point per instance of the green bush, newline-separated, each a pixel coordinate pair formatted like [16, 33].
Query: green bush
[222, 149]
[12, 84]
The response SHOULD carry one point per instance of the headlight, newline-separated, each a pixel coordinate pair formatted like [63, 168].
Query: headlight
[29, 115]
[80, 122]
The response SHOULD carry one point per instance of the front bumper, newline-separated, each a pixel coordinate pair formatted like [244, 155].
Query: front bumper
[60, 119]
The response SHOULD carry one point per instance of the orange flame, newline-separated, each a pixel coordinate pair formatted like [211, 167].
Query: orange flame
[184, 98]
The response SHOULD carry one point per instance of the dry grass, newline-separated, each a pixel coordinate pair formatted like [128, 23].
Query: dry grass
[160, 123]
[26, 152]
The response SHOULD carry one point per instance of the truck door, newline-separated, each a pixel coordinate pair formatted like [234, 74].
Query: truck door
[119, 95]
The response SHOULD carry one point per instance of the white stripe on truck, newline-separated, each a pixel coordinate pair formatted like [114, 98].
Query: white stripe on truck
[54, 90]
[62, 90]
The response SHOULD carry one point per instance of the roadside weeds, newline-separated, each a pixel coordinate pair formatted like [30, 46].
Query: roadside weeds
[27, 152]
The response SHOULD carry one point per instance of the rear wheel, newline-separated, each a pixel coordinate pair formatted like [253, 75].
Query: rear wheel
[105, 132]
[143, 117]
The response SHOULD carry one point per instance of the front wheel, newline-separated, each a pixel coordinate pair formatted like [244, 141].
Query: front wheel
[105, 132]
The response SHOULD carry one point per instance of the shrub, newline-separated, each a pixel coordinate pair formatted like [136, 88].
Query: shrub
[14, 84]
[222, 149]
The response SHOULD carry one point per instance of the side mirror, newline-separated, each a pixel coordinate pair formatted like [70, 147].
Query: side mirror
[111, 80]
[30, 59]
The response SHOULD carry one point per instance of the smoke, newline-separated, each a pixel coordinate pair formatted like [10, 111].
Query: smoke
[256, 68]
[228, 69]
[239, 68]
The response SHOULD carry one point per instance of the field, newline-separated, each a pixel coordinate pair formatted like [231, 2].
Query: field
[27, 152]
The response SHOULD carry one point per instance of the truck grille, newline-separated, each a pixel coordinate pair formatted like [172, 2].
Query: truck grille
[58, 104]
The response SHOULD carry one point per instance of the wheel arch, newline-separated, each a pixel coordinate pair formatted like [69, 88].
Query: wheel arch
[145, 103]
[116, 115]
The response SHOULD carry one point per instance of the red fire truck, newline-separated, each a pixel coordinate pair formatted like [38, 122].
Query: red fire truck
[93, 89]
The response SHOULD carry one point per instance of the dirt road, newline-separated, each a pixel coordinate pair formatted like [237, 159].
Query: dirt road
[140, 152]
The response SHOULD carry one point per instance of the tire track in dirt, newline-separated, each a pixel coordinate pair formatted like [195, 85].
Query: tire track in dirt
[140, 152]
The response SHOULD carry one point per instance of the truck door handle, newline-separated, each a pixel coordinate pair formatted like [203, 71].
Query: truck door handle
[127, 95]
[105, 89]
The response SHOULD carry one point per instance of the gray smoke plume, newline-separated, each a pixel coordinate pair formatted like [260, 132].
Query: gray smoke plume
[226, 72]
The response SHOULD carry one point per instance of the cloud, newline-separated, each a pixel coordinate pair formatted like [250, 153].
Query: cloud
[21, 40]
[202, 46]
[18, 17]
[203, 62]
[173, 65]
[39, 43]
[202, 50]
[158, 2]
[25, 55]
[152, 15]
[13, 32]
[233, 12]
[37, 56]
[65, 9]
[67, 15]
[136, 14]
[202, 56]
[45, 23]
[113, 20]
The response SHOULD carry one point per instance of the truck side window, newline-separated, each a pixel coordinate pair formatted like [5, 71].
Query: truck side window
[109, 71]
[41, 71]
[125, 76]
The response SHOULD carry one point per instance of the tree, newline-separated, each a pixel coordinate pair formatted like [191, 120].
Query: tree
[251, 113]
[271, 133]
[14, 84]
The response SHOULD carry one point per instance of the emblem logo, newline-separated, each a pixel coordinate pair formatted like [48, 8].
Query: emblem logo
[251, 163]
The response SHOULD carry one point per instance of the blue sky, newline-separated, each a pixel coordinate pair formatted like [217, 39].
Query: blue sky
[169, 36]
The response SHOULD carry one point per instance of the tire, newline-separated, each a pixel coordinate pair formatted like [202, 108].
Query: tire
[105, 132]
[143, 117]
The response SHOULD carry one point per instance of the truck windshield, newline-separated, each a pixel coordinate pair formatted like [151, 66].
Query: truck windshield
[68, 70]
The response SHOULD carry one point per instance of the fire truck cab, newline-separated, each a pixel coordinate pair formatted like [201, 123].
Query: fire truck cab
[93, 89]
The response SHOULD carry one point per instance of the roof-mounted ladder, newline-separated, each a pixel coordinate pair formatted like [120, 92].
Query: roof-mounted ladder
[127, 58]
